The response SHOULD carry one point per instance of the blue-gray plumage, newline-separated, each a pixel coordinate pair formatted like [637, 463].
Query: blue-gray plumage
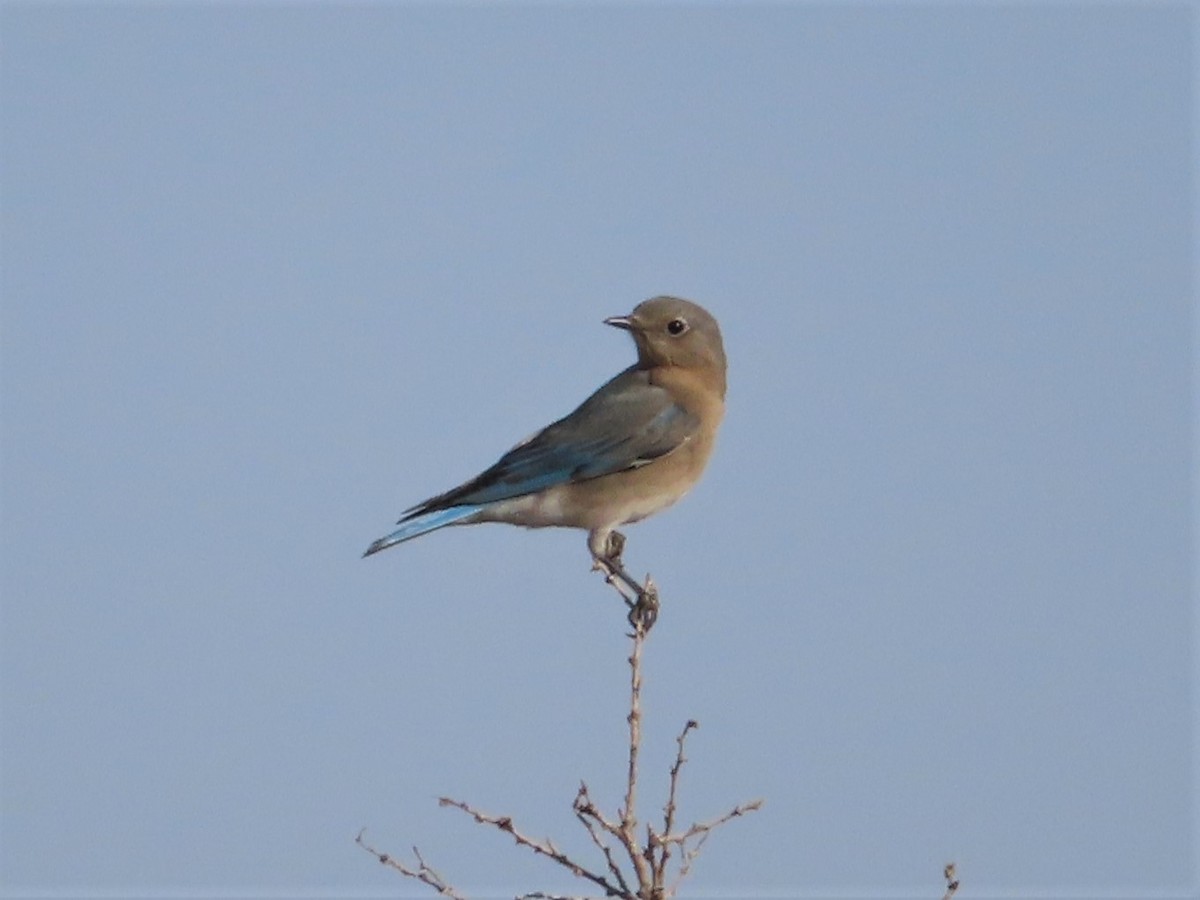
[637, 445]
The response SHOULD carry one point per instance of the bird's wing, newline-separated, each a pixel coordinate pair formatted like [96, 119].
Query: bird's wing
[627, 423]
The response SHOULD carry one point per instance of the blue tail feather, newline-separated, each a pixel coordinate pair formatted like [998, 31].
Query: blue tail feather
[419, 525]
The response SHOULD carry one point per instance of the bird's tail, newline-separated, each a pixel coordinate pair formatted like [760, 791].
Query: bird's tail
[419, 525]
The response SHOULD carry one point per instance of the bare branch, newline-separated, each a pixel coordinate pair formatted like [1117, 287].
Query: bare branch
[680, 759]
[660, 869]
[584, 806]
[627, 832]
[649, 861]
[422, 873]
[543, 848]
[590, 817]
[701, 830]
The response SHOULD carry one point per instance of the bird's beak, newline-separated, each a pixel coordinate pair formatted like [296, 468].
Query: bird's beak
[624, 322]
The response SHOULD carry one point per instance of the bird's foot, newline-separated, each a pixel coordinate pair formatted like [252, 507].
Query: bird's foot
[642, 600]
[643, 612]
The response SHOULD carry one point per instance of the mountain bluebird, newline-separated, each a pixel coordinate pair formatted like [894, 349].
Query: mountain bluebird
[634, 447]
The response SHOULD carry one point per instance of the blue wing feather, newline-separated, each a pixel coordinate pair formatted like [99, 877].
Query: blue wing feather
[628, 422]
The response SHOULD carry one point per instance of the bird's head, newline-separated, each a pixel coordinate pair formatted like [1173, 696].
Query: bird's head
[670, 331]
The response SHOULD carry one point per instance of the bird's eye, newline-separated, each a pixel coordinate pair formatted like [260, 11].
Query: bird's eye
[676, 327]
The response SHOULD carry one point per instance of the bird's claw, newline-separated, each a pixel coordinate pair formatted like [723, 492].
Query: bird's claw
[643, 612]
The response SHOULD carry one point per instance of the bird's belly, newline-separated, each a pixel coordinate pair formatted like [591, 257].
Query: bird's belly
[541, 510]
[596, 503]
[636, 508]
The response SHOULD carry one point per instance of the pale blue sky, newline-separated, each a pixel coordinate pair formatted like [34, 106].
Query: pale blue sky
[272, 273]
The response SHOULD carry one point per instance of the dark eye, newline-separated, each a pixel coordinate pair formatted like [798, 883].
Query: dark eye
[676, 327]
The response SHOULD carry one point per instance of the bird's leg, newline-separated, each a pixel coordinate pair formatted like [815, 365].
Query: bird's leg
[614, 546]
[608, 561]
[642, 600]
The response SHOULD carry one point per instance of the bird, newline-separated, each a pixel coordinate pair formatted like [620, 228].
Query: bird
[631, 449]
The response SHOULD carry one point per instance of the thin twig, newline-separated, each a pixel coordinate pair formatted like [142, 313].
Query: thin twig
[669, 809]
[701, 830]
[680, 759]
[590, 817]
[543, 848]
[423, 873]
[687, 857]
